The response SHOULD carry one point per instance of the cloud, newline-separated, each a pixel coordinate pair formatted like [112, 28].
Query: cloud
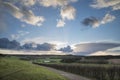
[3, 42]
[6, 44]
[55, 3]
[29, 46]
[19, 34]
[40, 47]
[108, 18]
[27, 2]
[113, 51]
[60, 23]
[59, 44]
[66, 49]
[94, 22]
[15, 36]
[91, 21]
[41, 40]
[23, 14]
[45, 47]
[89, 48]
[68, 12]
[104, 53]
[114, 4]
[22, 33]
[21, 9]
[116, 7]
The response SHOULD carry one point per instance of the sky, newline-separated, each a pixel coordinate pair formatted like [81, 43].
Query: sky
[79, 26]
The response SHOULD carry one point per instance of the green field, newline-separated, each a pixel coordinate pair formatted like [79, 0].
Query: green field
[15, 69]
[47, 60]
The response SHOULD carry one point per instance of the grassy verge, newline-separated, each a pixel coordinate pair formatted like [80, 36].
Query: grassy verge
[14, 69]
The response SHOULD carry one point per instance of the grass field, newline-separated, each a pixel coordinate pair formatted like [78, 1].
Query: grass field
[15, 69]
[47, 60]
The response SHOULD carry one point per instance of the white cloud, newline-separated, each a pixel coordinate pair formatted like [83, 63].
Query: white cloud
[90, 48]
[60, 23]
[22, 33]
[96, 24]
[59, 44]
[68, 12]
[22, 14]
[19, 34]
[108, 18]
[28, 2]
[55, 3]
[114, 4]
[113, 51]
[104, 53]
[116, 7]
[15, 36]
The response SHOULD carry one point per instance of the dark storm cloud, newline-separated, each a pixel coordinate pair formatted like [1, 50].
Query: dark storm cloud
[91, 21]
[28, 46]
[66, 49]
[45, 47]
[6, 44]
[40, 47]
[89, 48]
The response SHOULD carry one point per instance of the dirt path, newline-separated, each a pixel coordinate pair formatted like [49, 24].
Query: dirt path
[70, 76]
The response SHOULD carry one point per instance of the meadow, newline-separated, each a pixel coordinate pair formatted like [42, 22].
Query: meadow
[14, 69]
